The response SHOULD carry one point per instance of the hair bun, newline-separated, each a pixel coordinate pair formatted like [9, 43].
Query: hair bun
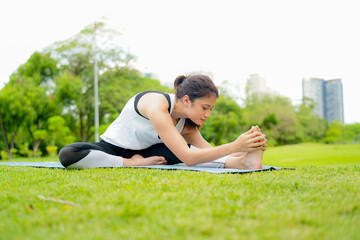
[179, 80]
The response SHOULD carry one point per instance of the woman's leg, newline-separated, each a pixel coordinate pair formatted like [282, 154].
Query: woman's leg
[76, 157]
[251, 160]
[244, 160]
[160, 149]
[102, 154]
[218, 163]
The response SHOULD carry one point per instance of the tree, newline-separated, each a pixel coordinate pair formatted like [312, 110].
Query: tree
[40, 67]
[337, 132]
[37, 77]
[275, 115]
[226, 122]
[117, 86]
[14, 108]
[59, 134]
[312, 128]
[60, 81]
[334, 134]
[76, 59]
[76, 109]
[355, 130]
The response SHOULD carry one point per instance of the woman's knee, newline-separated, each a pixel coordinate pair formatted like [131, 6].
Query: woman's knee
[69, 155]
[160, 150]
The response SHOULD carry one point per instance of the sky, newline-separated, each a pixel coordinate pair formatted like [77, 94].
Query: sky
[283, 41]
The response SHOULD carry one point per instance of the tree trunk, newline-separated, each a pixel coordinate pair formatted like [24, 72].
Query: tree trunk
[82, 130]
[36, 146]
[12, 143]
[3, 132]
[88, 126]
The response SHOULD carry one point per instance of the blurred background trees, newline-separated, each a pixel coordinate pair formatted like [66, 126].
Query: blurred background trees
[48, 102]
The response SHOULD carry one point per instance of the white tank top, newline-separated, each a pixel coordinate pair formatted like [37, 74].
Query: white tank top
[133, 131]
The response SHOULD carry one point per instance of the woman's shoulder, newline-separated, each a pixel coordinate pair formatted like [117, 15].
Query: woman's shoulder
[152, 101]
[153, 96]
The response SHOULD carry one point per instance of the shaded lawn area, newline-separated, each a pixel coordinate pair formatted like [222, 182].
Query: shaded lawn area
[321, 201]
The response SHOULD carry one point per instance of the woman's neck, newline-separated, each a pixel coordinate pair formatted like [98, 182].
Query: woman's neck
[178, 111]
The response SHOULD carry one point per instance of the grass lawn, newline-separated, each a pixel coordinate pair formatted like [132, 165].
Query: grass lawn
[318, 200]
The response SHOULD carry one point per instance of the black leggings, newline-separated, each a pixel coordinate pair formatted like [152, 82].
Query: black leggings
[73, 153]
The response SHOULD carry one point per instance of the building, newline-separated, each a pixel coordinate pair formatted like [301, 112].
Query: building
[327, 95]
[334, 100]
[313, 88]
[150, 75]
[256, 85]
[209, 74]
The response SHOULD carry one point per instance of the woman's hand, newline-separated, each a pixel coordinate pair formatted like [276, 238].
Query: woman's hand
[250, 141]
[256, 128]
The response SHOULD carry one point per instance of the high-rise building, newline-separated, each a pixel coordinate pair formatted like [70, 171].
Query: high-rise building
[327, 95]
[313, 88]
[334, 100]
[256, 85]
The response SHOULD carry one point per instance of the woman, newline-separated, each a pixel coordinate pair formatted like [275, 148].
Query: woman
[159, 128]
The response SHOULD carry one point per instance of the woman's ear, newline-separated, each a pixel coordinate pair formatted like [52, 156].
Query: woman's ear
[186, 100]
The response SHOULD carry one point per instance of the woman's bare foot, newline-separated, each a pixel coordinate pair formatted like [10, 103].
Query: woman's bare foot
[138, 160]
[245, 160]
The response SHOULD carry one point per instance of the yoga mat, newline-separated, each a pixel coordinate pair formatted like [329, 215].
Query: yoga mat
[180, 166]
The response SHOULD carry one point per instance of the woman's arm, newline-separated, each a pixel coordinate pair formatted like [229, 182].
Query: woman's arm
[193, 136]
[154, 107]
[176, 143]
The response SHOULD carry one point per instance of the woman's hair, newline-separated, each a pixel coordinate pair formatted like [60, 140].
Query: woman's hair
[195, 86]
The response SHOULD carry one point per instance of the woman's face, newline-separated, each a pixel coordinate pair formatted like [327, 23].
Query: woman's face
[199, 110]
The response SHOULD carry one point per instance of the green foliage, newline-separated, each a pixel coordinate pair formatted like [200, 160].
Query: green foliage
[38, 153]
[30, 153]
[14, 152]
[32, 86]
[40, 67]
[24, 149]
[61, 133]
[52, 150]
[355, 129]
[275, 115]
[117, 86]
[269, 121]
[75, 84]
[60, 82]
[15, 108]
[339, 133]
[311, 127]
[4, 155]
[333, 135]
[40, 134]
[226, 122]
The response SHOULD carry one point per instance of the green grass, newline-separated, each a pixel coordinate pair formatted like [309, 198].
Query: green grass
[312, 154]
[318, 200]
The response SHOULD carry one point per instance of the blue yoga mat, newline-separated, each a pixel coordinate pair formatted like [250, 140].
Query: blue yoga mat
[164, 167]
